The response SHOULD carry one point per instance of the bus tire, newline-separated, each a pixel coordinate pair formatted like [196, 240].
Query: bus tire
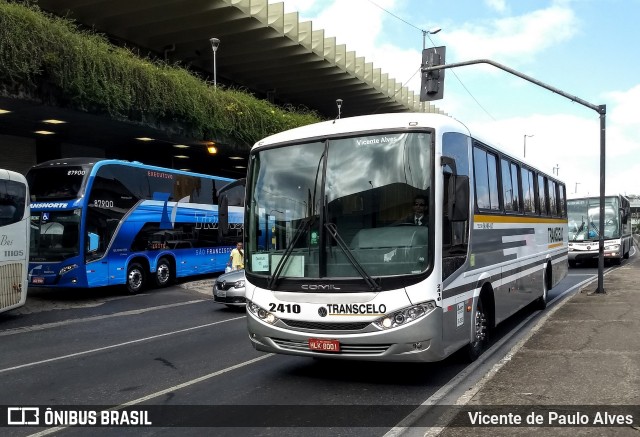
[541, 302]
[135, 278]
[481, 333]
[164, 273]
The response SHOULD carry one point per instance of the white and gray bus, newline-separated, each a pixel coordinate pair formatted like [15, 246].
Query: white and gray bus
[14, 239]
[584, 229]
[342, 273]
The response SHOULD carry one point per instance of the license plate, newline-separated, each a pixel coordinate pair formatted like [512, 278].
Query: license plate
[323, 345]
[37, 280]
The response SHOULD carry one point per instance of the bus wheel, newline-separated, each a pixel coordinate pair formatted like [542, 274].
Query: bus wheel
[477, 346]
[135, 278]
[541, 302]
[164, 276]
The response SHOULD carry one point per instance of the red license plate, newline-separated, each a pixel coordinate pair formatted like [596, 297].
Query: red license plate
[323, 345]
[37, 280]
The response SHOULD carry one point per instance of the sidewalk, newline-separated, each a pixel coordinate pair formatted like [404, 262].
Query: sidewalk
[203, 286]
[583, 352]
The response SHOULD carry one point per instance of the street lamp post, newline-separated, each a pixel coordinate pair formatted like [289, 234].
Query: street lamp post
[556, 170]
[215, 42]
[577, 183]
[524, 151]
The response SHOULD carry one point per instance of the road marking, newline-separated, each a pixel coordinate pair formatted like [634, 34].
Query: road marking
[405, 424]
[113, 346]
[164, 392]
[32, 328]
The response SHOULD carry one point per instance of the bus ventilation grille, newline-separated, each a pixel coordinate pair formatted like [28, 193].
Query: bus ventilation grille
[320, 326]
[10, 284]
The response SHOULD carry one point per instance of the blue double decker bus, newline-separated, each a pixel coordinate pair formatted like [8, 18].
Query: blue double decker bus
[98, 222]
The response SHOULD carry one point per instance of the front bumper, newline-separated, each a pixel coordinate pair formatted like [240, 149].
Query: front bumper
[418, 341]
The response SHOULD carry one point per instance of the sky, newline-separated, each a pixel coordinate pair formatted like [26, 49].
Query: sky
[585, 48]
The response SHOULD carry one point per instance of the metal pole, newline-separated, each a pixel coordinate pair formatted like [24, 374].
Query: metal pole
[524, 152]
[215, 82]
[602, 109]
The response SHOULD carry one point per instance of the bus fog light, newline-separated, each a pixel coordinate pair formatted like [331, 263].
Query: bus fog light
[386, 322]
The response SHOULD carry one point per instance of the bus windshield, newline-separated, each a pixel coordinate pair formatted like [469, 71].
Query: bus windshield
[584, 219]
[54, 235]
[339, 208]
[56, 183]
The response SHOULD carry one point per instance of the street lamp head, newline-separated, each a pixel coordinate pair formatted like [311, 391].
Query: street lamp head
[215, 42]
[434, 30]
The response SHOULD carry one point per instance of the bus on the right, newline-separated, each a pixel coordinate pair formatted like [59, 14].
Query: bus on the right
[584, 229]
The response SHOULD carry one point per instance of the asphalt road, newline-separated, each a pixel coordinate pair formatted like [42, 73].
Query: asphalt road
[176, 347]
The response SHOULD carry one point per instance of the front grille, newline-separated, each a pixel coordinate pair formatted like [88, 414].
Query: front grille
[10, 284]
[352, 349]
[325, 326]
[224, 285]
[230, 299]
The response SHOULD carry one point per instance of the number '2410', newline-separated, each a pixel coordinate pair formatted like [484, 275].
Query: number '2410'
[284, 308]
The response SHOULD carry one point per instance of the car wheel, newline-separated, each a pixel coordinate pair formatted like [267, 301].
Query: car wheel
[164, 274]
[135, 278]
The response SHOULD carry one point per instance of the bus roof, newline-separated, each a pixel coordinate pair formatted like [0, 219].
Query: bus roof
[12, 176]
[106, 161]
[366, 123]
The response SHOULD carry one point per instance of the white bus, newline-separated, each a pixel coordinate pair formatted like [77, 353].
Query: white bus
[14, 239]
[344, 275]
[584, 229]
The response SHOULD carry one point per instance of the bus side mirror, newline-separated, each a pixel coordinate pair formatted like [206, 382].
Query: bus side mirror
[223, 215]
[625, 215]
[459, 191]
[92, 241]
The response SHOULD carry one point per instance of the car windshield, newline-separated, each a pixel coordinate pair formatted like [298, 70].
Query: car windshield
[339, 208]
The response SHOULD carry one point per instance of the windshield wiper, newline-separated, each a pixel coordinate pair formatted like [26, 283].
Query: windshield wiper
[333, 231]
[304, 225]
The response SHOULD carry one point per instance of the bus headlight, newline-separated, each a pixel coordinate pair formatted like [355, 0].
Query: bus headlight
[405, 315]
[66, 269]
[261, 313]
[615, 247]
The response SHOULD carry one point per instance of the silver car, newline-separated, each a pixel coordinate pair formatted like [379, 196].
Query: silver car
[228, 289]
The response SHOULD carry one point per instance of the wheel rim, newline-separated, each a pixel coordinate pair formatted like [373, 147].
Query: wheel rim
[164, 273]
[135, 279]
[480, 325]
